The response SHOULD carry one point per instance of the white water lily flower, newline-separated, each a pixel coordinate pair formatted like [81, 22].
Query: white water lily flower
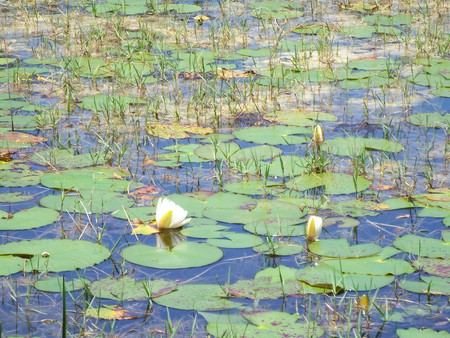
[170, 215]
[313, 228]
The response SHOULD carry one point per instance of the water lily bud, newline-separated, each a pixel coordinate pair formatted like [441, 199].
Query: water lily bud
[363, 302]
[170, 215]
[317, 136]
[313, 228]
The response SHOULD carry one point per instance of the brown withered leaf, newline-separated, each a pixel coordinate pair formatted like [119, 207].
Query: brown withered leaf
[19, 137]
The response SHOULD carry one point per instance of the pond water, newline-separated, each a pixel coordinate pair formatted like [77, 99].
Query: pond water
[107, 106]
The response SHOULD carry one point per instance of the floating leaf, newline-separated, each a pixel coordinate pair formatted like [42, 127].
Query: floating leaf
[251, 187]
[341, 222]
[34, 217]
[235, 240]
[54, 284]
[334, 183]
[325, 276]
[10, 264]
[277, 248]
[97, 202]
[434, 266]
[430, 120]
[184, 255]
[65, 158]
[109, 103]
[19, 175]
[340, 248]
[179, 8]
[170, 131]
[199, 297]
[276, 227]
[261, 324]
[354, 146]
[14, 197]
[127, 288]
[274, 135]
[430, 285]
[423, 247]
[89, 179]
[421, 333]
[108, 313]
[56, 255]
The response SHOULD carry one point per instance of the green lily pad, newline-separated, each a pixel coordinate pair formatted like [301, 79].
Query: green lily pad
[199, 297]
[65, 158]
[34, 217]
[373, 265]
[340, 248]
[96, 202]
[353, 146]
[430, 120]
[14, 197]
[10, 264]
[334, 183]
[300, 118]
[89, 179]
[356, 208]
[432, 285]
[389, 20]
[325, 276]
[127, 288]
[434, 266]
[277, 248]
[56, 255]
[184, 255]
[212, 230]
[281, 166]
[423, 247]
[421, 333]
[19, 176]
[218, 151]
[54, 284]
[373, 64]
[277, 227]
[251, 187]
[274, 135]
[178, 8]
[109, 103]
[261, 324]
[235, 240]
[341, 222]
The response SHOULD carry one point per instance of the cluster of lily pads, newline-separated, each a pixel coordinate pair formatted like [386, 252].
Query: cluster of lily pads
[279, 176]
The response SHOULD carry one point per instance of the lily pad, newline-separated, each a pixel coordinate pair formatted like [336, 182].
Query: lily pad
[127, 288]
[89, 179]
[434, 266]
[430, 120]
[109, 103]
[277, 248]
[325, 276]
[184, 255]
[199, 297]
[54, 284]
[34, 217]
[235, 240]
[66, 158]
[19, 175]
[274, 135]
[277, 227]
[431, 285]
[56, 255]
[340, 248]
[423, 246]
[14, 197]
[96, 202]
[261, 324]
[10, 264]
[171, 131]
[353, 146]
[421, 333]
[333, 183]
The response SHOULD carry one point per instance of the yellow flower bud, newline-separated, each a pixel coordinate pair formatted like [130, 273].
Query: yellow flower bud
[313, 228]
[317, 137]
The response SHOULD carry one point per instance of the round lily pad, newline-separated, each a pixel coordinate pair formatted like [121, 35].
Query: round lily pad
[200, 297]
[19, 176]
[235, 240]
[184, 255]
[56, 255]
[261, 324]
[66, 158]
[54, 284]
[34, 217]
[340, 248]
[423, 246]
[334, 183]
[434, 266]
[274, 135]
[127, 288]
[14, 197]
[10, 264]
[284, 227]
[351, 146]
